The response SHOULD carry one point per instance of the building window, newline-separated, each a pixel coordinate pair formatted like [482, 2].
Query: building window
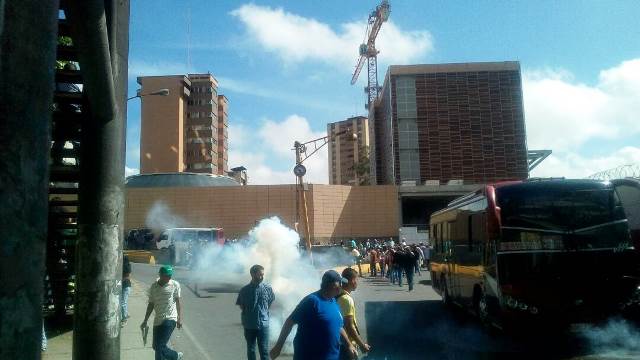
[409, 165]
[406, 97]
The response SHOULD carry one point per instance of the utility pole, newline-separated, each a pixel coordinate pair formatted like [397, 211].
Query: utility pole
[28, 32]
[300, 170]
[100, 32]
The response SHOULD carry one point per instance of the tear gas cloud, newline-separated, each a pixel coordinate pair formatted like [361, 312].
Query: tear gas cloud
[617, 338]
[160, 218]
[288, 271]
[270, 244]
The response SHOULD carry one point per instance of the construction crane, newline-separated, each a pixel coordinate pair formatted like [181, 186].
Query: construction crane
[369, 52]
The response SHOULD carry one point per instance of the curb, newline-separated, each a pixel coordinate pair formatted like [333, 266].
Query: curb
[140, 256]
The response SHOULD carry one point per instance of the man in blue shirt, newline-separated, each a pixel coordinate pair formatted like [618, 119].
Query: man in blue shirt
[254, 300]
[319, 324]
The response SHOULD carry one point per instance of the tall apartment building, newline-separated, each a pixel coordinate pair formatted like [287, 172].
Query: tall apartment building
[437, 123]
[345, 152]
[186, 130]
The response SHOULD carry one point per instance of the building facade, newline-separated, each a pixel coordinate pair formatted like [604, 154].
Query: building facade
[449, 123]
[349, 156]
[186, 130]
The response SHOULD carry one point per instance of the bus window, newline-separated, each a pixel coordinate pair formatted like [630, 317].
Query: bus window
[189, 235]
[205, 236]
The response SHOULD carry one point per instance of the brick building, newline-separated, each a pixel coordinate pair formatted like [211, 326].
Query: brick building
[186, 130]
[346, 153]
[436, 123]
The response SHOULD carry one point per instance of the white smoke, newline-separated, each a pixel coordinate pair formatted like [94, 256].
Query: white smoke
[275, 247]
[616, 339]
[160, 218]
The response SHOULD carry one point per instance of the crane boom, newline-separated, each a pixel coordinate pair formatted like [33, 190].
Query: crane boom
[369, 52]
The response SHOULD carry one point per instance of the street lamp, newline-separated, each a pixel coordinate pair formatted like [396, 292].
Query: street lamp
[161, 92]
[299, 170]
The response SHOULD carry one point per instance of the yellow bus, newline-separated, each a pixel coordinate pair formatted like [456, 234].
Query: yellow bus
[538, 250]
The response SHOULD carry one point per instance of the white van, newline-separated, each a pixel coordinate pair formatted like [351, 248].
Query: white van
[179, 241]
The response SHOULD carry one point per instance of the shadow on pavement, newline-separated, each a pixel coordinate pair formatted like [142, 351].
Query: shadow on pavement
[408, 330]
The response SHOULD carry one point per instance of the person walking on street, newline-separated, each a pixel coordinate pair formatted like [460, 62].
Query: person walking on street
[417, 252]
[407, 264]
[373, 262]
[320, 324]
[126, 289]
[348, 311]
[357, 259]
[381, 260]
[164, 299]
[254, 300]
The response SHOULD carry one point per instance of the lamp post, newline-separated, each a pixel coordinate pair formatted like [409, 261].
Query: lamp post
[161, 92]
[300, 170]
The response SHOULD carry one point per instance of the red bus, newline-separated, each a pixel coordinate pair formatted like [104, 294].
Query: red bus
[537, 250]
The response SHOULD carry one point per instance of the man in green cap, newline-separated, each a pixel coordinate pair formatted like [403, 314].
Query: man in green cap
[164, 299]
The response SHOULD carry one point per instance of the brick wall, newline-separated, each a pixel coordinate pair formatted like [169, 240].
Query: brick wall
[335, 211]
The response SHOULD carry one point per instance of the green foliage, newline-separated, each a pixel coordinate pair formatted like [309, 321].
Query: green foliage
[362, 168]
[63, 41]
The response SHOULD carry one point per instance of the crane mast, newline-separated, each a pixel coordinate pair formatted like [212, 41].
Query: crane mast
[369, 52]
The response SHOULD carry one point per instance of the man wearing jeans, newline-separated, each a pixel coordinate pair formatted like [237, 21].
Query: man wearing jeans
[254, 300]
[126, 289]
[164, 299]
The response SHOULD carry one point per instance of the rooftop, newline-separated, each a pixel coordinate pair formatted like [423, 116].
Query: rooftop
[182, 179]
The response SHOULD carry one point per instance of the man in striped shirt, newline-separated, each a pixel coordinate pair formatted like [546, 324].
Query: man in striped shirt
[164, 299]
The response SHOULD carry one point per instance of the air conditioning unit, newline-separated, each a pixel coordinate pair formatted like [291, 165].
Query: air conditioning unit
[455, 182]
[408, 183]
[432, 182]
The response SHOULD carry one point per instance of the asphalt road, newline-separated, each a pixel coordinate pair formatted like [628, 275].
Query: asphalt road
[399, 325]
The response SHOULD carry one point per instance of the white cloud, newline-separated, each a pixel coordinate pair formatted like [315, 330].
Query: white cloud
[574, 165]
[295, 38]
[130, 171]
[562, 114]
[268, 149]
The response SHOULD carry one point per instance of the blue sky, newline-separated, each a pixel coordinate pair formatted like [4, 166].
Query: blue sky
[285, 67]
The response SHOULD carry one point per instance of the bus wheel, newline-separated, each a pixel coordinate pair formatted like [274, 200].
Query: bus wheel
[446, 299]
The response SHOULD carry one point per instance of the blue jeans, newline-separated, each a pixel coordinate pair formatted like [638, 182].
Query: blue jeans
[417, 267]
[124, 302]
[262, 337]
[409, 272]
[161, 335]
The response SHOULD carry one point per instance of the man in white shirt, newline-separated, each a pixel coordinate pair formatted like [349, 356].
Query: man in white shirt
[164, 299]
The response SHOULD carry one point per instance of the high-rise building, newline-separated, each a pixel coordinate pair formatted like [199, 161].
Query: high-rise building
[349, 155]
[449, 123]
[186, 130]
[223, 133]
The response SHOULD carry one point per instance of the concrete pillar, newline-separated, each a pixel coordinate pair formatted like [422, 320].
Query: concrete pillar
[28, 30]
[100, 32]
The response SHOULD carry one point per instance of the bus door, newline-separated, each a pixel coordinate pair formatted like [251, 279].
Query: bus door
[451, 261]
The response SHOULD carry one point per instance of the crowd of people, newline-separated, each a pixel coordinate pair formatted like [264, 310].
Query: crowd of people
[326, 319]
[395, 261]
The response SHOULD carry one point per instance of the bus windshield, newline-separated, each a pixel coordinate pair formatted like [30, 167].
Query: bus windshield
[566, 207]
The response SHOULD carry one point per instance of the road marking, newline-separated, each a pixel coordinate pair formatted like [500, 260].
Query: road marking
[196, 343]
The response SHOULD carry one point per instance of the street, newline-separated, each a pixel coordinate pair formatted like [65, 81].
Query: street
[397, 324]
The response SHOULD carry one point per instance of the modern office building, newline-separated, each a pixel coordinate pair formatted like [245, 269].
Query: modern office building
[449, 124]
[186, 130]
[349, 156]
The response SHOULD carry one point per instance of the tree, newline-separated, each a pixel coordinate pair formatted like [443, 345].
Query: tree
[362, 168]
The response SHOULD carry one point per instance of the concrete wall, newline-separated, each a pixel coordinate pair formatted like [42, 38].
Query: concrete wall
[335, 211]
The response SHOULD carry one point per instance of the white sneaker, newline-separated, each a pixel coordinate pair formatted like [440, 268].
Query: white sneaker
[180, 355]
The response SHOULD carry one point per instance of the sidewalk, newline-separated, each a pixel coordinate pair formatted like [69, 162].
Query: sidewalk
[60, 347]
